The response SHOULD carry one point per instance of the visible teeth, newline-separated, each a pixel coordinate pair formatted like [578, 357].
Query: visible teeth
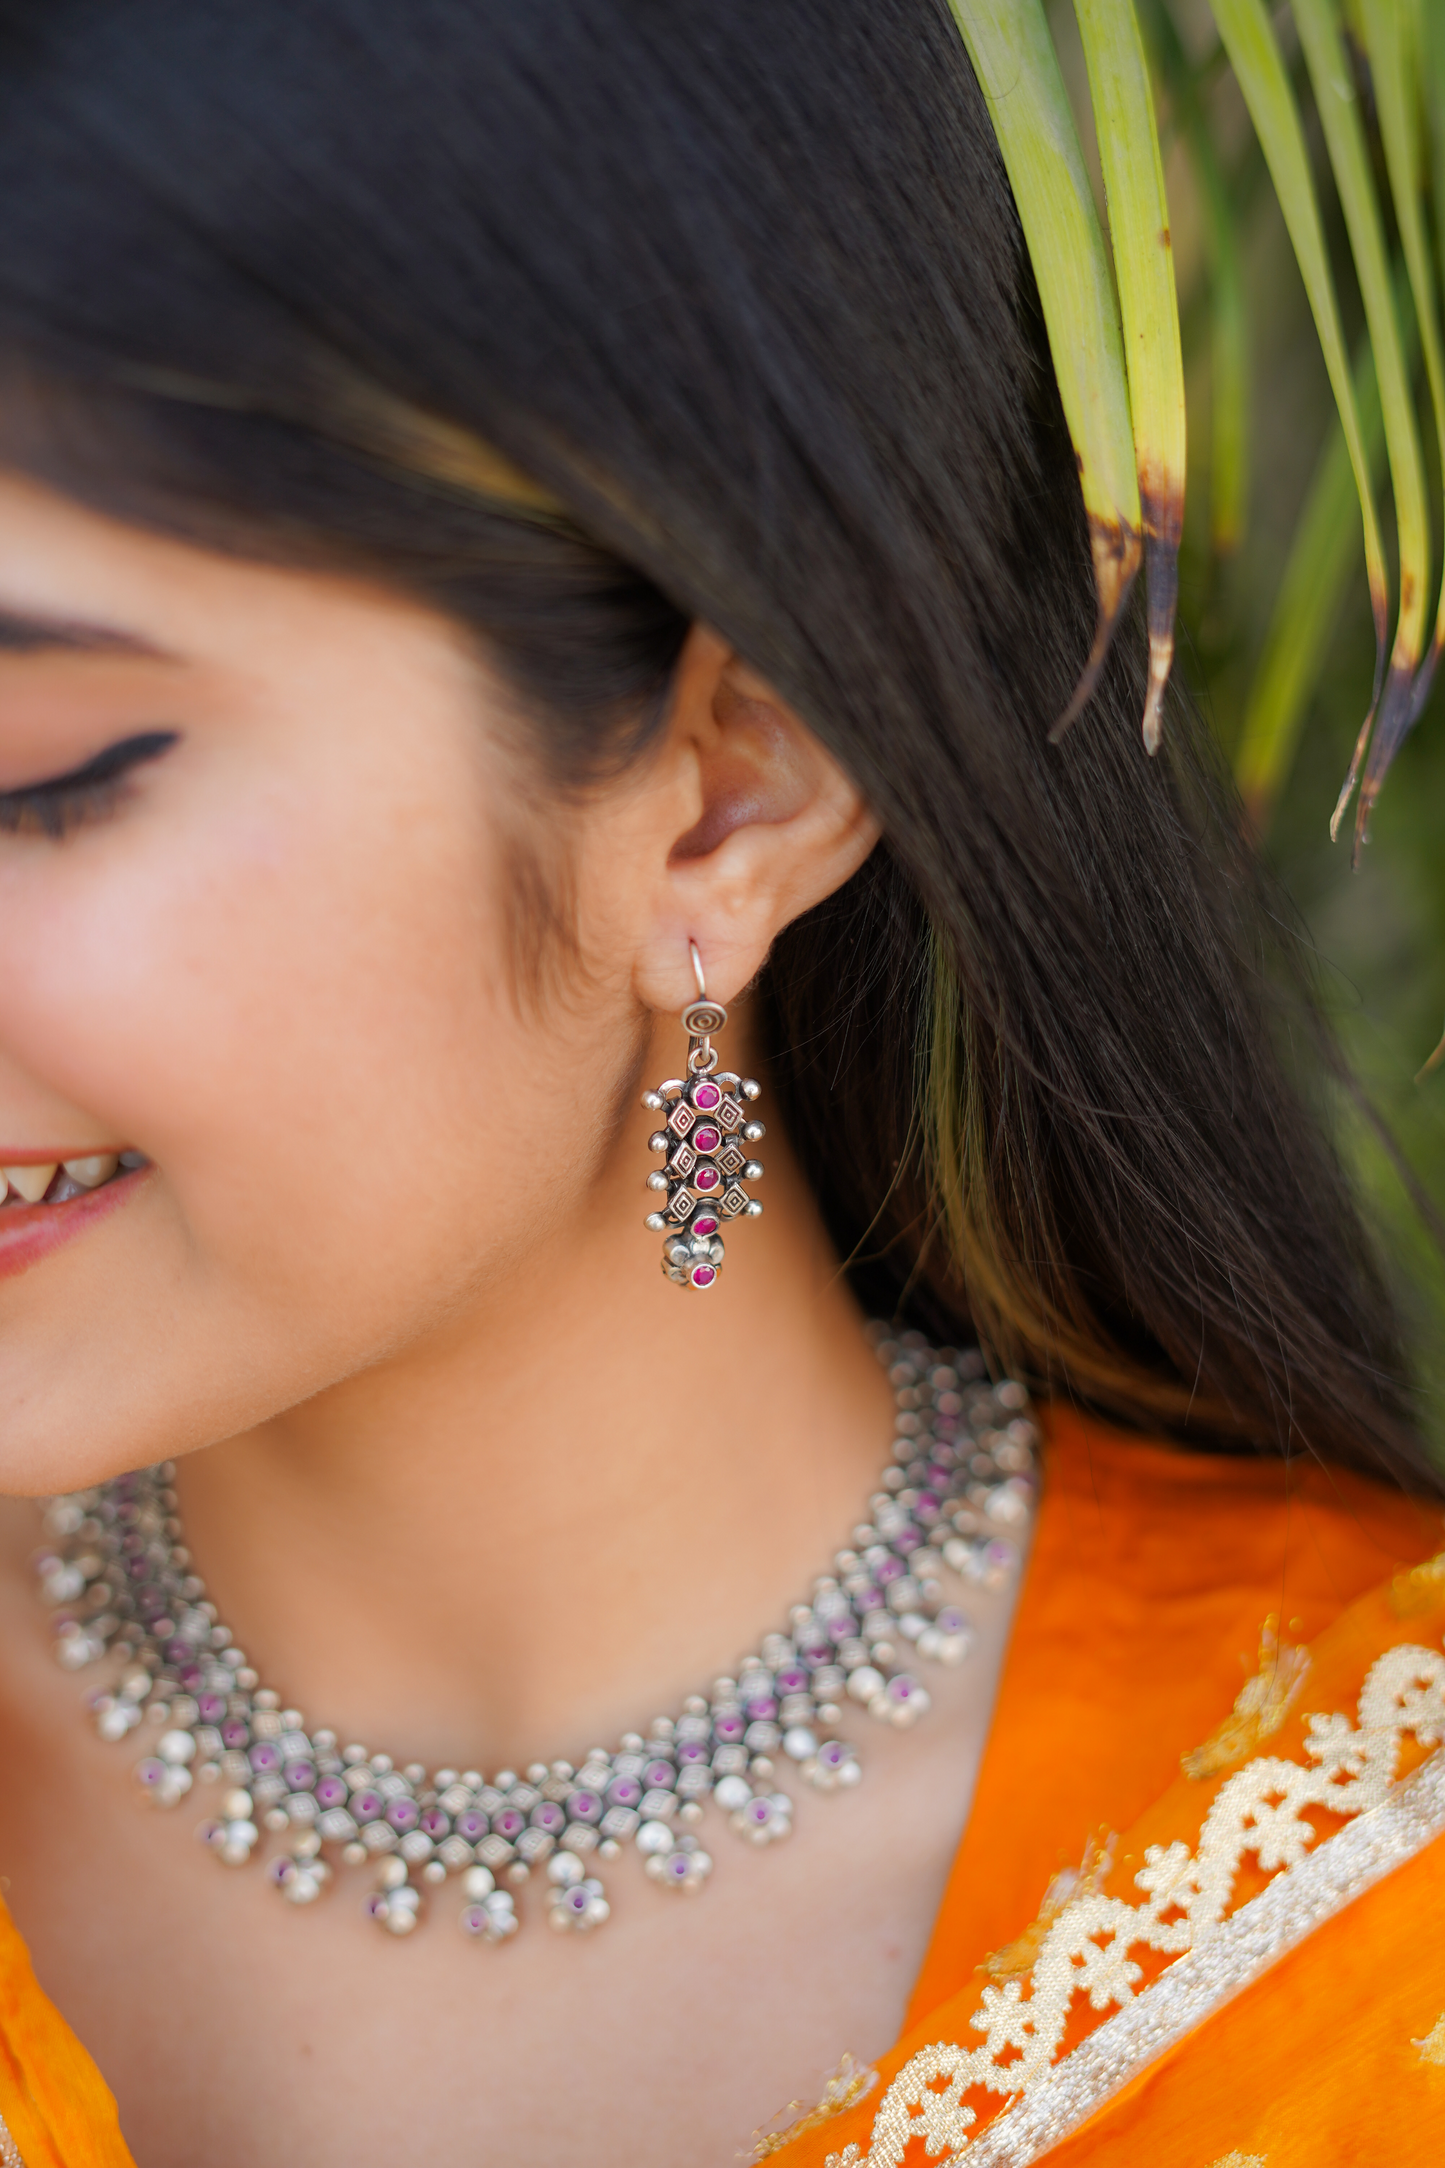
[91, 1171]
[87, 1171]
[31, 1183]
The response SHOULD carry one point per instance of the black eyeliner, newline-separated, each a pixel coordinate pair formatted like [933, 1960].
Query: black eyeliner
[52, 802]
[104, 767]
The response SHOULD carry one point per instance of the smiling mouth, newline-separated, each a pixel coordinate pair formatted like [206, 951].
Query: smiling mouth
[57, 1181]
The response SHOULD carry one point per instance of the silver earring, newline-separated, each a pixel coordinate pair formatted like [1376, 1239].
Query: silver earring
[705, 1138]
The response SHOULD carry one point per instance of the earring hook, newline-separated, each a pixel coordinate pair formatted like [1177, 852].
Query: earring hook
[700, 1019]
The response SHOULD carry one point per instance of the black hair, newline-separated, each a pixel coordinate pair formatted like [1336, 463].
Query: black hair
[743, 289]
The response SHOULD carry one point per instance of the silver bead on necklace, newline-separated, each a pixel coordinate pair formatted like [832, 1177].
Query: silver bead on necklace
[954, 1500]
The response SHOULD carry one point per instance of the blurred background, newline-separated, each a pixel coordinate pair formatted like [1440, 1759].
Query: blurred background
[1275, 634]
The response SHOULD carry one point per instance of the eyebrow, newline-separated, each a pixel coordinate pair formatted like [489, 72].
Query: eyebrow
[24, 634]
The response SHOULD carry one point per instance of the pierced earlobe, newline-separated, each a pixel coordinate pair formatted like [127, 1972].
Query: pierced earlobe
[706, 1138]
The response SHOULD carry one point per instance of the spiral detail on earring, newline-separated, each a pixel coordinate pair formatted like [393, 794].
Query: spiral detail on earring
[705, 1140]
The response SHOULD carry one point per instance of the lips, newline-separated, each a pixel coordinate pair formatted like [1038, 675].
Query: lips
[64, 1206]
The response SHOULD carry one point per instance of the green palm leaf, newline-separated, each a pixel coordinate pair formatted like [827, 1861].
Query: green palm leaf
[1259, 69]
[1228, 317]
[1126, 396]
[1013, 57]
[1323, 555]
[1433, 71]
[1392, 40]
[1144, 266]
[1334, 87]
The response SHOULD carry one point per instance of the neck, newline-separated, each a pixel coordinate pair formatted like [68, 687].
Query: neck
[586, 1495]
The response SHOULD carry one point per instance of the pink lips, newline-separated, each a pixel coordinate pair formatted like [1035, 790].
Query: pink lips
[29, 1232]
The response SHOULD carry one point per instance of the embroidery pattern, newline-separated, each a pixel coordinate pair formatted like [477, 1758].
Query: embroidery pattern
[1264, 1703]
[1418, 1589]
[1087, 1879]
[1432, 2047]
[851, 2082]
[9, 2150]
[1261, 1810]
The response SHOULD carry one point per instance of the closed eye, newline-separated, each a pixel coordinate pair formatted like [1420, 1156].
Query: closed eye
[59, 803]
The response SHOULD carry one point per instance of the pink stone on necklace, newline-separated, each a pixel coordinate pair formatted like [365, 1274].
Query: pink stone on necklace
[954, 1501]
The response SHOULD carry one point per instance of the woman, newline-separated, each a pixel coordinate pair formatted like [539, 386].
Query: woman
[516, 524]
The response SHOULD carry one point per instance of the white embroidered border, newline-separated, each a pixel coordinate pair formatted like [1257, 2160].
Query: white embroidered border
[1253, 1939]
[9, 2150]
[1262, 1810]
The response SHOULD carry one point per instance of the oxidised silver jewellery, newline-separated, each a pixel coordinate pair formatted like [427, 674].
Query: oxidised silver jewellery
[705, 1137]
[955, 1499]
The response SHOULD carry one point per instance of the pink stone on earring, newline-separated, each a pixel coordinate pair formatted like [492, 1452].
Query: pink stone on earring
[696, 1198]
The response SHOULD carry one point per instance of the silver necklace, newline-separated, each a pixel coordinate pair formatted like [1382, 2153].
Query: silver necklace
[954, 1501]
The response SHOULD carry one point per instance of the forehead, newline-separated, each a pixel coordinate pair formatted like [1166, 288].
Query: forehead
[78, 583]
[75, 583]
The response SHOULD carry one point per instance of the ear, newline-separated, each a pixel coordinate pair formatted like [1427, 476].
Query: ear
[764, 823]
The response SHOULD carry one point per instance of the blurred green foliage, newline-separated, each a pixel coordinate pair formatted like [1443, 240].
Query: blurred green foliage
[1379, 932]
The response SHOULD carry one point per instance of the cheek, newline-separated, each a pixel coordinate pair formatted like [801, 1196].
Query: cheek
[304, 1021]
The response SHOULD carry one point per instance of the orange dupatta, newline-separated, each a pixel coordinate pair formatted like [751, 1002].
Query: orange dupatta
[1298, 2020]
[57, 2109]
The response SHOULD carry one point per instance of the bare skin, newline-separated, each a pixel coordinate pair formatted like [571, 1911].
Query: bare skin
[477, 1485]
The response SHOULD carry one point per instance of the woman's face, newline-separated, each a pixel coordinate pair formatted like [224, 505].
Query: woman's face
[276, 959]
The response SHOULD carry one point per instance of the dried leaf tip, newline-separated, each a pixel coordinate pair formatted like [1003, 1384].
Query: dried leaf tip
[1118, 552]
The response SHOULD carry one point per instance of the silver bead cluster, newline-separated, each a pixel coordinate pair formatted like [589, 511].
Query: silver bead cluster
[955, 1499]
[706, 1137]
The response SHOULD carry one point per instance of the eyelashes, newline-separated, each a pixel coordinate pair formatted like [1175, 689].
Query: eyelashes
[62, 802]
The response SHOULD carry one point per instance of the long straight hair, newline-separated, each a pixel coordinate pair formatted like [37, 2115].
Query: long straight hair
[740, 290]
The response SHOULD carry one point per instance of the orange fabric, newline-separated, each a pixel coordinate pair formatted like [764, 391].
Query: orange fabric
[1152, 1573]
[1139, 1622]
[56, 2105]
